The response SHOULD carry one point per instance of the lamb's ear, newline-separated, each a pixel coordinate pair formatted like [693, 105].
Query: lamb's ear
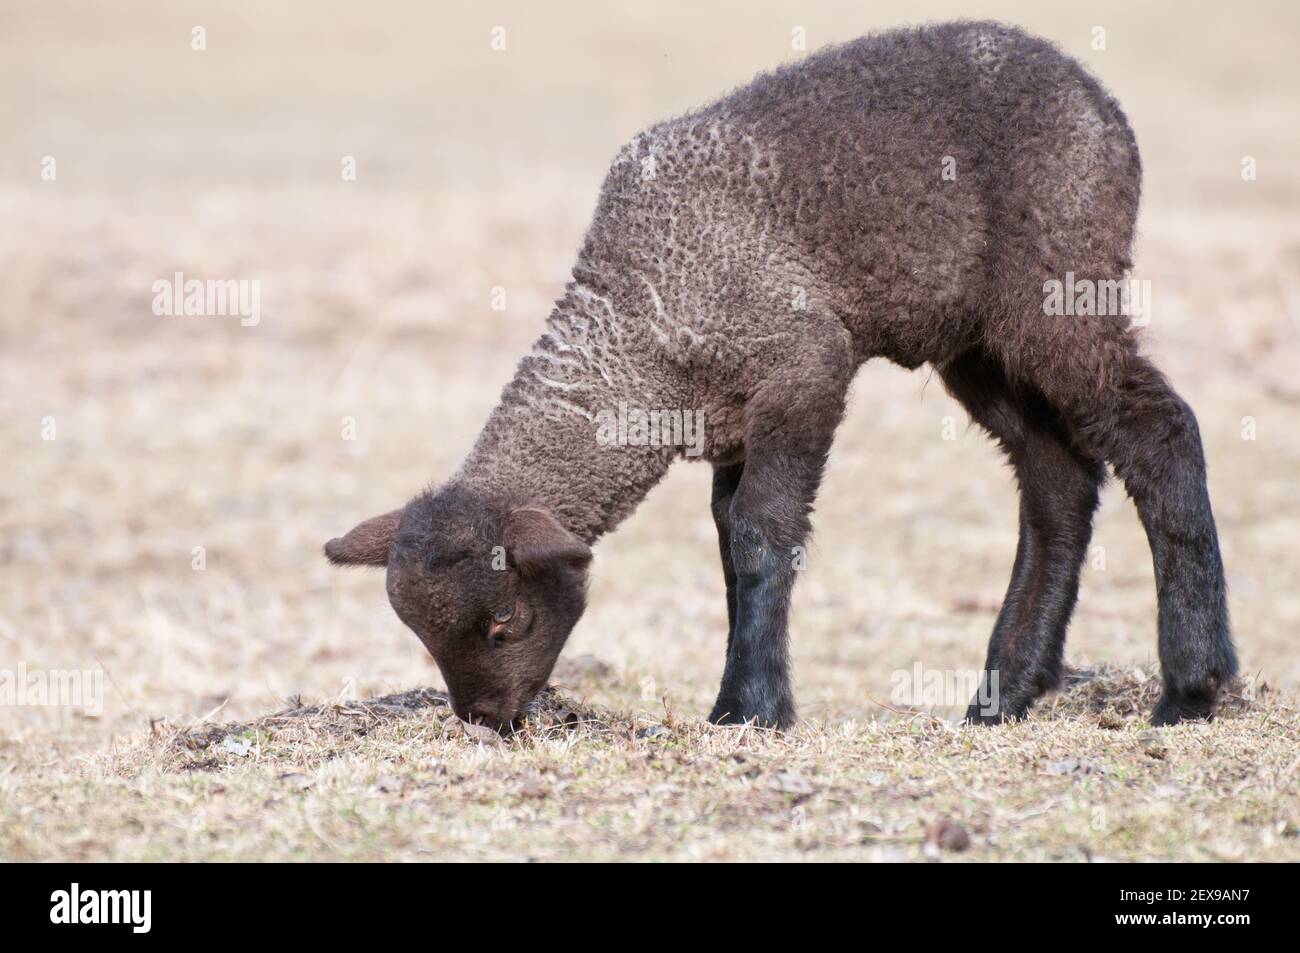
[367, 544]
[537, 542]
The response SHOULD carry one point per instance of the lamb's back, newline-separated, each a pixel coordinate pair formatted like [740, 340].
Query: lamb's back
[883, 181]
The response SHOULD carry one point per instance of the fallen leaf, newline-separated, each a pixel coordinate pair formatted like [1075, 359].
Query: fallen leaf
[478, 733]
[947, 834]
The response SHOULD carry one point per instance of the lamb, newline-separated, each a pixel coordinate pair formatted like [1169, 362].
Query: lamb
[907, 195]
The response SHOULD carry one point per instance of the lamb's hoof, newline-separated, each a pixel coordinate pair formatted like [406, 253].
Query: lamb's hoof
[1174, 708]
[999, 713]
[778, 716]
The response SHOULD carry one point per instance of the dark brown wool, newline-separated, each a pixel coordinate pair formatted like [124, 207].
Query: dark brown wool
[904, 196]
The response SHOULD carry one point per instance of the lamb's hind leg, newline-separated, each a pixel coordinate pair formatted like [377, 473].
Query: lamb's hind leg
[1155, 447]
[1058, 495]
[1121, 409]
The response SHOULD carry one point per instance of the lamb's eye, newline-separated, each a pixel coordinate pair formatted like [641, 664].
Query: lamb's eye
[504, 615]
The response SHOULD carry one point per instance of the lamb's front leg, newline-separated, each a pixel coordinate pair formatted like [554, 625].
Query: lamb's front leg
[726, 480]
[756, 680]
[767, 523]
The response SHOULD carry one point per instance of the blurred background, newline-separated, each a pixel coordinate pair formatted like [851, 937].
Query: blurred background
[478, 169]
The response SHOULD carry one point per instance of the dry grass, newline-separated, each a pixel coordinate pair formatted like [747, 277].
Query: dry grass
[397, 776]
[476, 170]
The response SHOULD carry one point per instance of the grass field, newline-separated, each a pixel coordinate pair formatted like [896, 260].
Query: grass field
[170, 480]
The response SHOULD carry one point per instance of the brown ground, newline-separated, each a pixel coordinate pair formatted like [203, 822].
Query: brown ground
[479, 169]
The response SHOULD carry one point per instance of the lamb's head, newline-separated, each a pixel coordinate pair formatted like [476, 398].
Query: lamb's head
[492, 588]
